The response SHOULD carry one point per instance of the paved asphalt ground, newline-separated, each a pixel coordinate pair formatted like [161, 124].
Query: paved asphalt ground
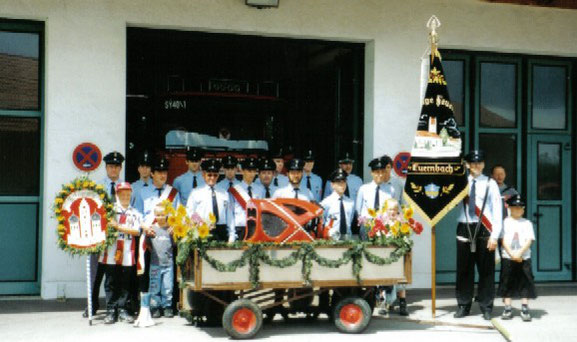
[554, 312]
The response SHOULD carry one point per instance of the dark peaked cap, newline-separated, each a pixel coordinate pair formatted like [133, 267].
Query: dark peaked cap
[160, 164]
[211, 165]
[475, 156]
[229, 162]
[338, 175]
[113, 158]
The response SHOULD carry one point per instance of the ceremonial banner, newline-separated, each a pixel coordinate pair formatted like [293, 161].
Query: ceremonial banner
[436, 179]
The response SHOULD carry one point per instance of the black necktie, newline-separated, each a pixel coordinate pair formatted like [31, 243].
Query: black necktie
[249, 191]
[309, 182]
[145, 183]
[296, 193]
[229, 185]
[214, 204]
[267, 194]
[377, 199]
[343, 219]
[159, 192]
[113, 192]
[472, 200]
[275, 181]
[347, 189]
[194, 184]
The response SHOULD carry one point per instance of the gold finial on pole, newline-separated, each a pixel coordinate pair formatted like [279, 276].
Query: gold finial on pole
[432, 25]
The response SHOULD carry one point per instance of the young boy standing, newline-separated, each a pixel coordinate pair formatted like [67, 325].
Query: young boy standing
[516, 275]
[338, 207]
[118, 260]
[161, 265]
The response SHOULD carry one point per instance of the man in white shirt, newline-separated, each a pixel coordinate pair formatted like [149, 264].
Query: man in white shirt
[479, 227]
[374, 194]
[293, 190]
[242, 193]
[210, 199]
[338, 208]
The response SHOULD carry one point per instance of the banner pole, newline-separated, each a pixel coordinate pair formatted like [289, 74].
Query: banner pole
[89, 289]
[433, 272]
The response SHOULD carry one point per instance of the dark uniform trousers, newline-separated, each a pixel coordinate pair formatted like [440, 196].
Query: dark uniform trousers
[220, 232]
[117, 286]
[466, 261]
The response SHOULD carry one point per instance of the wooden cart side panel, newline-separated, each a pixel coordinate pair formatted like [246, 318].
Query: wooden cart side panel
[409, 267]
[208, 278]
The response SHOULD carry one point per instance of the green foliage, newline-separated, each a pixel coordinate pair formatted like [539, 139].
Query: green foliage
[254, 255]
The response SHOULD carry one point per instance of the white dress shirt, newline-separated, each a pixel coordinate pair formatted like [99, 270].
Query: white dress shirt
[288, 191]
[367, 193]
[493, 208]
[332, 211]
[354, 182]
[200, 202]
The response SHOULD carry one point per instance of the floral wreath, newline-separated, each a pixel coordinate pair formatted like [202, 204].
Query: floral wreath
[78, 184]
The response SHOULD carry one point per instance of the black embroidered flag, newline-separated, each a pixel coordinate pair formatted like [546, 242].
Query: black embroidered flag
[436, 179]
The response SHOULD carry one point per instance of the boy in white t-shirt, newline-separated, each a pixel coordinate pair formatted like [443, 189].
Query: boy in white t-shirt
[516, 275]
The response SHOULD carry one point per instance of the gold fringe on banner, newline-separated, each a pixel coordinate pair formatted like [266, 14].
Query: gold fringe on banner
[443, 212]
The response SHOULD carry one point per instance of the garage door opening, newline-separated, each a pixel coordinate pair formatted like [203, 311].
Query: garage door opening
[184, 88]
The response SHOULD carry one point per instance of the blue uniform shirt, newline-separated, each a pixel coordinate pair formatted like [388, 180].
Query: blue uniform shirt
[149, 198]
[184, 182]
[136, 187]
[289, 192]
[107, 183]
[316, 185]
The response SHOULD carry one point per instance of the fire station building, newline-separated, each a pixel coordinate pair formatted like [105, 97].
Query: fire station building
[332, 75]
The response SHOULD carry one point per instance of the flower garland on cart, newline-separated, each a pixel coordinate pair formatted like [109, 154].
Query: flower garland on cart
[187, 231]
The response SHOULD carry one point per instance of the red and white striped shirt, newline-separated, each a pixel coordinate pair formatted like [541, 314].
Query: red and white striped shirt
[122, 251]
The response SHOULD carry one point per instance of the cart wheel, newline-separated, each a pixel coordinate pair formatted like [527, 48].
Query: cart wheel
[352, 315]
[242, 319]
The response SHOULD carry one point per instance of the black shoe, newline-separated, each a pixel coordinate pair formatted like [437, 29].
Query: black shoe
[487, 315]
[156, 313]
[110, 317]
[168, 313]
[462, 311]
[403, 308]
[124, 316]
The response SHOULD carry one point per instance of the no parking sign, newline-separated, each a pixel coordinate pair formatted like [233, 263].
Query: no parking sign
[86, 157]
[400, 163]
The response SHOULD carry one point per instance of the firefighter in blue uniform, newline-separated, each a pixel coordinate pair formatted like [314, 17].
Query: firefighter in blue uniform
[144, 170]
[230, 167]
[159, 191]
[243, 192]
[478, 230]
[192, 178]
[311, 180]
[265, 176]
[354, 182]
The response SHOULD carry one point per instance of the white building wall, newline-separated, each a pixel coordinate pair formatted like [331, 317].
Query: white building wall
[85, 50]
